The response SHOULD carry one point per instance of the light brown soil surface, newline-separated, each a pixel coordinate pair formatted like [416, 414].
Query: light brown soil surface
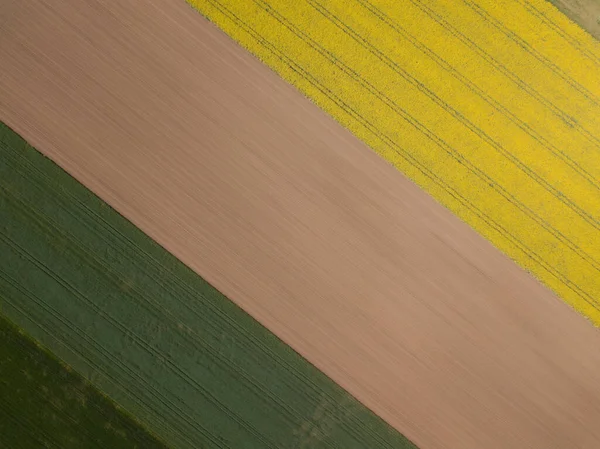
[285, 212]
[586, 13]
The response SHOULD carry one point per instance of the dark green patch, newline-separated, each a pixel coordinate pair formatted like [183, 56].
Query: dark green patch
[44, 404]
[150, 333]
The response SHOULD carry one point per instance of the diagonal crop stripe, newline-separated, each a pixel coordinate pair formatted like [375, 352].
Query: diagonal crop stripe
[150, 333]
[492, 107]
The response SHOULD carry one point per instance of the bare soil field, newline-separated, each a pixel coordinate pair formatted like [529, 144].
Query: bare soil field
[584, 12]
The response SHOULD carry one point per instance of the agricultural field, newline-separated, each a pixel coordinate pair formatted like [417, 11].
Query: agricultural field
[108, 340]
[147, 331]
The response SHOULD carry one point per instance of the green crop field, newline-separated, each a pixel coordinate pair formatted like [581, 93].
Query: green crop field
[43, 404]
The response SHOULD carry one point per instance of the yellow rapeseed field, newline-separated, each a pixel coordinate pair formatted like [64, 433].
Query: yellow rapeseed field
[491, 106]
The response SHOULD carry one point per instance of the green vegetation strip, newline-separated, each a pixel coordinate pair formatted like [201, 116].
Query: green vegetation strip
[151, 334]
[43, 404]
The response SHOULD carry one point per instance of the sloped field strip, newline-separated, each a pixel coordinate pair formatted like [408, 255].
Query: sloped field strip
[44, 404]
[493, 107]
[149, 333]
